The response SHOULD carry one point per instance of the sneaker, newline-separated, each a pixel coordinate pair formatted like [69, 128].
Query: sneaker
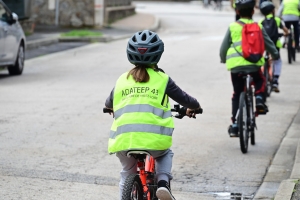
[275, 84]
[163, 191]
[275, 88]
[233, 130]
[261, 107]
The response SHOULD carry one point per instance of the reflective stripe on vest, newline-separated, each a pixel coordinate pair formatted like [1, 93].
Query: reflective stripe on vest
[290, 7]
[234, 58]
[143, 108]
[141, 128]
[141, 121]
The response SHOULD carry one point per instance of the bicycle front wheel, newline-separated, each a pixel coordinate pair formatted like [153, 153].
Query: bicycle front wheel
[133, 188]
[242, 123]
[252, 123]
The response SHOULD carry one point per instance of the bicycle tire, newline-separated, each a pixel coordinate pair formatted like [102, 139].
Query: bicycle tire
[252, 138]
[242, 123]
[268, 85]
[293, 51]
[133, 188]
[252, 121]
[270, 80]
[289, 49]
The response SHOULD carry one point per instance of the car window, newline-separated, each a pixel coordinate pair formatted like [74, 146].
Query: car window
[4, 15]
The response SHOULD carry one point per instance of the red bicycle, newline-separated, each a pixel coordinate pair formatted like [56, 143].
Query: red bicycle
[143, 184]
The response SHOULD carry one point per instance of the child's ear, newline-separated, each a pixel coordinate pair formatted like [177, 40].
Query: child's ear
[237, 12]
[253, 12]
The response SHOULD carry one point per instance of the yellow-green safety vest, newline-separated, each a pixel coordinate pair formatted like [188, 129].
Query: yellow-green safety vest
[142, 114]
[278, 21]
[234, 58]
[290, 7]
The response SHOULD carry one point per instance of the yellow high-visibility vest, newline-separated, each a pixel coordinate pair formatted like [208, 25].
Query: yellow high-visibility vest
[143, 119]
[234, 56]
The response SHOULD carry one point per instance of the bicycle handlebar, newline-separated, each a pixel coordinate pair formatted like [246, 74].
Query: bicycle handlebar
[177, 108]
[107, 110]
[182, 111]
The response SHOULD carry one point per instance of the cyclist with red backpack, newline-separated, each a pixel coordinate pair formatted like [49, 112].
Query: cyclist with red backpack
[271, 25]
[242, 50]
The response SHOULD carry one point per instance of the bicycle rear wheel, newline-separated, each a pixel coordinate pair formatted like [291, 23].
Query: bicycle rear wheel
[289, 49]
[293, 51]
[242, 124]
[133, 188]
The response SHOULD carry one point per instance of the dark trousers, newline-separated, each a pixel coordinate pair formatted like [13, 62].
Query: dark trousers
[296, 30]
[238, 88]
[237, 17]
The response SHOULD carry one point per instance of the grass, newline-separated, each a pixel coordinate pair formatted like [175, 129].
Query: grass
[297, 181]
[81, 33]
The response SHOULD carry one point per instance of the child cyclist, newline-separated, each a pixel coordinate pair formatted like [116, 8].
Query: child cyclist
[271, 25]
[142, 113]
[231, 54]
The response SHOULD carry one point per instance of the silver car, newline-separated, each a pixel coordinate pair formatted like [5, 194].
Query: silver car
[12, 41]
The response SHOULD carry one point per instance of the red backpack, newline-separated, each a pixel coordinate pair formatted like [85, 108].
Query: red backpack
[253, 45]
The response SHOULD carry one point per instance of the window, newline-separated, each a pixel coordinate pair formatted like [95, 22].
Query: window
[4, 15]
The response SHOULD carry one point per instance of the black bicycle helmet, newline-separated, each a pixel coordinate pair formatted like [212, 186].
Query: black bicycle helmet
[145, 47]
[266, 7]
[242, 4]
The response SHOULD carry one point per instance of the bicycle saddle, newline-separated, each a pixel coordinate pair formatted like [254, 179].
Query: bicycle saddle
[137, 152]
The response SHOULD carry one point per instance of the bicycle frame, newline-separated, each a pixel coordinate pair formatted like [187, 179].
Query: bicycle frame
[146, 171]
[248, 92]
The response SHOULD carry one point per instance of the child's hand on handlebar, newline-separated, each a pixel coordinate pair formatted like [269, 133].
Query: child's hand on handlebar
[191, 112]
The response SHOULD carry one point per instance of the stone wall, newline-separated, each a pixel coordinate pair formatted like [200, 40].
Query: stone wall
[72, 13]
[78, 13]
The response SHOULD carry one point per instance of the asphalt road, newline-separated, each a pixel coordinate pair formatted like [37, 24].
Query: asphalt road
[54, 135]
[53, 48]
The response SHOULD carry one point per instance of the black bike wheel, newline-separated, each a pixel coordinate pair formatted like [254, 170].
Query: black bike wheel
[133, 188]
[252, 121]
[289, 49]
[268, 85]
[293, 51]
[252, 133]
[242, 124]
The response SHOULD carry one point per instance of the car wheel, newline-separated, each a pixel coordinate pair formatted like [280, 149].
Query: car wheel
[18, 67]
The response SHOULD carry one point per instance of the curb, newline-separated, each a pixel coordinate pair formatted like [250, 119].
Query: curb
[85, 39]
[286, 189]
[284, 170]
[106, 38]
[41, 42]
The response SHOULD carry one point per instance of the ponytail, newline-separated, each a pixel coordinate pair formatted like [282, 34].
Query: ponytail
[139, 74]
